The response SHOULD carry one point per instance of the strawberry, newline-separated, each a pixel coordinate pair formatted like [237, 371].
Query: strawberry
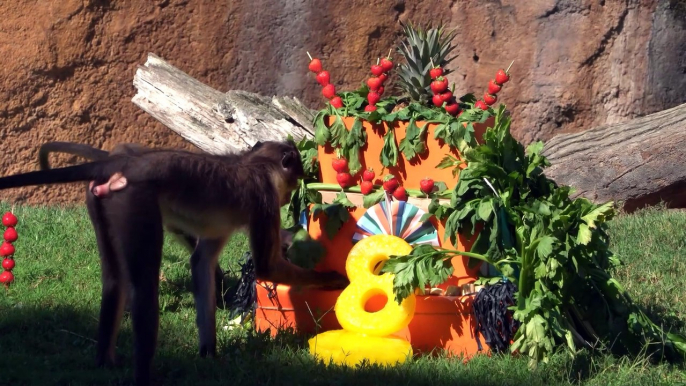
[6, 249]
[439, 85]
[373, 97]
[8, 264]
[390, 183]
[366, 187]
[383, 78]
[6, 277]
[374, 83]
[426, 185]
[336, 102]
[368, 175]
[446, 96]
[452, 108]
[10, 235]
[386, 64]
[481, 105]
[380, 90]
[9, 219]
[315, 65]
[340, 165]
[329, 91]
[435, 72]
[501, 76]
[400, 194]
[323, 78]
[369, 108]
[493, 87]
[490, 99]
[377, 70]
[344, 179]
[437, 100]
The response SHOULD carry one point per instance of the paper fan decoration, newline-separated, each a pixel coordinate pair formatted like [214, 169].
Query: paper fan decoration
[397, 218]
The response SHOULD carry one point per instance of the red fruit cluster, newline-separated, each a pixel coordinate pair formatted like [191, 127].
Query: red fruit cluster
[494, 86]
[439, 86]
[7, 249]
[323, 77]
[340, 165]
[376, 81]
[392, 186]
[367, 184]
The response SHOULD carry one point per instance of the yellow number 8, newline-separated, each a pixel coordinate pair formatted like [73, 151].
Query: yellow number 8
[365, 283]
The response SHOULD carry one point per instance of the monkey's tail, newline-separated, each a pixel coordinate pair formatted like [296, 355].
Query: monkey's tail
[83, 172]
[79, 149]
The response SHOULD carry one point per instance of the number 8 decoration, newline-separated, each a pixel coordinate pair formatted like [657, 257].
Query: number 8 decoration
[385, 229]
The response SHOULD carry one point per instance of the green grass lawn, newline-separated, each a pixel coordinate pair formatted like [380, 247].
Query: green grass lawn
[48, 319]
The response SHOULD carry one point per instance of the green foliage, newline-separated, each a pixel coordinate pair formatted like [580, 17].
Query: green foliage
[554, 248]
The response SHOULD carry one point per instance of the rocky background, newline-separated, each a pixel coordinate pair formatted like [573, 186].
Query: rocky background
[67, 65]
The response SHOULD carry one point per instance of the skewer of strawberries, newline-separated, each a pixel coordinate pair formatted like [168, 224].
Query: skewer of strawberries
[375, 83]
[7, 249]
[494, 87]
[323, 77]
[343, 177]
[443, 97]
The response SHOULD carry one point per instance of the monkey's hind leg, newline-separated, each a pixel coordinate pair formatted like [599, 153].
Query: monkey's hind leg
[203, 271]
[114, 286]
[137, 234]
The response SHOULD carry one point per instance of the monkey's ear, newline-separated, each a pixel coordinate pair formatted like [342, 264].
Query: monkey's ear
[257, 145]
[290, 159]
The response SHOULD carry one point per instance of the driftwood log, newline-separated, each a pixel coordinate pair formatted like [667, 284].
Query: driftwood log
[637, 163]
[213, 121]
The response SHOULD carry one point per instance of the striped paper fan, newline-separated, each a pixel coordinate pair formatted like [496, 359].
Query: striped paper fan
[397, 218]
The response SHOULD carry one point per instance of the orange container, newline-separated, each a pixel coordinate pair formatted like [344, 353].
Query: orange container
[408, 173]
[440, 322]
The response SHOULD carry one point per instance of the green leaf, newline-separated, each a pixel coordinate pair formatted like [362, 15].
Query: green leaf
[355, 140]
[584, 235]
[545, 246]
[486, 209]
[389, 152]
[412, 144]
[372, 199]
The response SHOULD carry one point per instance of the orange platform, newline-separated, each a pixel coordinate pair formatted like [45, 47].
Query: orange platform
[440, 322]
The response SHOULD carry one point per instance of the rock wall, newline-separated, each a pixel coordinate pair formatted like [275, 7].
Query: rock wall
[68, 65]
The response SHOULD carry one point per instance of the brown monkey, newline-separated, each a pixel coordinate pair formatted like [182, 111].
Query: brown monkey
[118, 182]
[209, 196]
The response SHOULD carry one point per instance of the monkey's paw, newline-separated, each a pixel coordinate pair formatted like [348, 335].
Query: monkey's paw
[332, 280]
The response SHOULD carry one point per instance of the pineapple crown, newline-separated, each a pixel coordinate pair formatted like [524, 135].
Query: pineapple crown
[422, 49]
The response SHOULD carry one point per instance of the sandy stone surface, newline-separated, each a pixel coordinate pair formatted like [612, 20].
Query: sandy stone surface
[67, 66]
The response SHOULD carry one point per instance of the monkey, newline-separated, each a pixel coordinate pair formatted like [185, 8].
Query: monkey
[208, 196]
[119, 182]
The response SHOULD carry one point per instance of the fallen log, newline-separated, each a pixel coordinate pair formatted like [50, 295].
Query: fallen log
[637, 163]
[213, 121]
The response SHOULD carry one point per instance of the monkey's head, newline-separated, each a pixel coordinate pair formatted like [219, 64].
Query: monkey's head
[286, 155]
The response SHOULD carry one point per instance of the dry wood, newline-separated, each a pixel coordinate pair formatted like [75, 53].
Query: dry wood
[636, 163]
[213, 121]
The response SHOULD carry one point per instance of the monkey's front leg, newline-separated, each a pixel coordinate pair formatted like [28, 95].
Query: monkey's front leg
[203, 271]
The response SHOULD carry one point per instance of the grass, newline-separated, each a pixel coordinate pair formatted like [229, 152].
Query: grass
[48, 319]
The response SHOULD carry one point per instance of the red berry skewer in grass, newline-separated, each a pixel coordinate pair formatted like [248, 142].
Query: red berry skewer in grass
[9, 220]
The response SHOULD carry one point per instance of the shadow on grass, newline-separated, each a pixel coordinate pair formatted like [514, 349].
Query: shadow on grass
[55, 346]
